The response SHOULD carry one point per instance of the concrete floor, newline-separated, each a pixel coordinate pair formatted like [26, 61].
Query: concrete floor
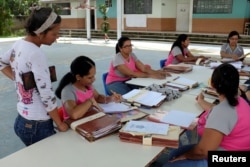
[61, 54]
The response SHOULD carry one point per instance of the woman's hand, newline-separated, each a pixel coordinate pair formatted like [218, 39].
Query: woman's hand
[62, 127]
[116, 97]
[200, 97]
[95, 104]
[181, 157]
[160, 74]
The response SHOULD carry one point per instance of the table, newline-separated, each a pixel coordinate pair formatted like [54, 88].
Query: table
[199, 73]
[69, 149]
[66, 149]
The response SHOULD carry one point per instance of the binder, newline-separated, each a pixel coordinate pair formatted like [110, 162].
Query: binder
[171, 139]
[95, 124]
[178, 68]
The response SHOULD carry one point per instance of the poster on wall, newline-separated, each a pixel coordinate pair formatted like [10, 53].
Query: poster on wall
[136, 20]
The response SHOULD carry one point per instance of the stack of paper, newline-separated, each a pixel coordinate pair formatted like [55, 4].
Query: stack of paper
[174, 117]
[144, 97]
[182, 83]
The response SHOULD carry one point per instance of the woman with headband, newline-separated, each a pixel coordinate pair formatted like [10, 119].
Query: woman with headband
[37, 106]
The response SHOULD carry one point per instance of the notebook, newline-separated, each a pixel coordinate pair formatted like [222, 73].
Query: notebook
[178, 68]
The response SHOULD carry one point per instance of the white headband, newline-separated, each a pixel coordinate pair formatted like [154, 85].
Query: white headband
[50, 20]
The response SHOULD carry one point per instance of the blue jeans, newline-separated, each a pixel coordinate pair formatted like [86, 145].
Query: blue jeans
[120, 87]
[184, 163]
[30, 131]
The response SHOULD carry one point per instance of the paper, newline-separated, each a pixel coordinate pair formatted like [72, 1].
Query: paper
[144, 97]
[179, 118]
[115, 107]
[185, 81]
[136, 20]
[146, 127]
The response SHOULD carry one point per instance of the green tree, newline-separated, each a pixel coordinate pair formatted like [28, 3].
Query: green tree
[10, 9]
[105, 24]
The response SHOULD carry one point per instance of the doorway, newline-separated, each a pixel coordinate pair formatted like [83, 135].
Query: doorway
[182, 19]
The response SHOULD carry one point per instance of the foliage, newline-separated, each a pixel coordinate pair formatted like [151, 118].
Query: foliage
[10, 9]
[105, 26]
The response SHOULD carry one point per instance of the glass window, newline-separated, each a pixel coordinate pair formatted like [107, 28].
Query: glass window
[108, 3]
[212, 6]
[137, 6]
[60, 8]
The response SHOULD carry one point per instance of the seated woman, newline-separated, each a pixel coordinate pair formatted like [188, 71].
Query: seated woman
[227, 125]
[245, 91]
[77, 92]
[179, 51]
[232, 49]
[125, 65]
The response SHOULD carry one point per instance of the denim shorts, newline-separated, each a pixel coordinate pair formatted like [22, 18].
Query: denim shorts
[31, 131]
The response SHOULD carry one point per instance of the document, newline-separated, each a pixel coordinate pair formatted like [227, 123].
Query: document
[116, 107]
[147, 127]
[179, 118]
[185, 81]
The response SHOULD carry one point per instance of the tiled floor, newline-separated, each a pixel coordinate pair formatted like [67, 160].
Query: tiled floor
[61, 54]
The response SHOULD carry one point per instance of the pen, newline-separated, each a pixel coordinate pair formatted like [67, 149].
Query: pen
[117, 96]
[176, 78]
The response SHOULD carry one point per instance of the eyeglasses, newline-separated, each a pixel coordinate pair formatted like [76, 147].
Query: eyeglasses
[236, 39]
[127, 46]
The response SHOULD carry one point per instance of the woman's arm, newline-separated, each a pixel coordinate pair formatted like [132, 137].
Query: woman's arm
[189, 57]
[8, 72]
[223, 54]
[77, 111]
[205, 105]
[210, 140]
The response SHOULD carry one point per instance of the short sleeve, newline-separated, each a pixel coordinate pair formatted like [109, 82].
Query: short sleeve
[223, 48]
[222, 118]
[176, 51]
[5, 59]
[118, 60]
[68, 94]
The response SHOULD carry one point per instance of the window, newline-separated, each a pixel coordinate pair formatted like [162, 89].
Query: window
[212, 6]
[108, 3]
[137, 6]
[60, 8]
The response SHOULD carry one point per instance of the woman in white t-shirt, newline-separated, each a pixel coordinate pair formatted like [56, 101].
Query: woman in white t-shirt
[36, 106]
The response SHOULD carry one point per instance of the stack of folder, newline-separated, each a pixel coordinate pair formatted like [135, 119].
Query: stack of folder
[168, 139]
[95, 124]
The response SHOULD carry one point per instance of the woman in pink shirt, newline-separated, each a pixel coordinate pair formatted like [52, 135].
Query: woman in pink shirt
[227, 124]
[179, 51]
[125, 65]
[76, 91]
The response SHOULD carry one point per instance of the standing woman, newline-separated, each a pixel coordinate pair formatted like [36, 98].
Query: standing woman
[179, 51]
[37, 107]
[125, 65]
[232, 49]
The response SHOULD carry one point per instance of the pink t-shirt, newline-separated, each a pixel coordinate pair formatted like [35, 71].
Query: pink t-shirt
[171, 57]
[114, 75]
[233, 122]
[72, 93]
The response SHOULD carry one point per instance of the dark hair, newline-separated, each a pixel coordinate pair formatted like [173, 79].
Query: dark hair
[37, 18]
[120, 43]
[225, 79]
[232, 33]
[181, 38]
[79, 66]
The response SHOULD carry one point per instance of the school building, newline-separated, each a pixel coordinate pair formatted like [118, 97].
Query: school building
[194, 16]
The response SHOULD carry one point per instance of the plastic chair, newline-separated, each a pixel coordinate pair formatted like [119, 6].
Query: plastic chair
[162, 62]
[104, 76]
